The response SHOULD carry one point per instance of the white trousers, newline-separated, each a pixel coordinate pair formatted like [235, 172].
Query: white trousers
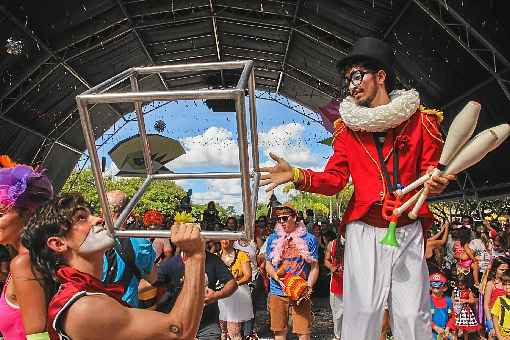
[337, 308]
[375, 274]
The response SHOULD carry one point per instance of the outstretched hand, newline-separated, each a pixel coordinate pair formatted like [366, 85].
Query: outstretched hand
[276, 175]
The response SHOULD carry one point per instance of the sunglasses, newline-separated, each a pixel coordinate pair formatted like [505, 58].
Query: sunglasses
[283, 218]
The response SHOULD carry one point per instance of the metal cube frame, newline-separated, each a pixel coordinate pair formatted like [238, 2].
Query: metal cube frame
[98, 95]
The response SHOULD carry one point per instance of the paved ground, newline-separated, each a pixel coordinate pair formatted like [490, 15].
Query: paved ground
[322, 322]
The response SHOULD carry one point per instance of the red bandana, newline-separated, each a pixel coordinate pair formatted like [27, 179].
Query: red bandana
[76, 284]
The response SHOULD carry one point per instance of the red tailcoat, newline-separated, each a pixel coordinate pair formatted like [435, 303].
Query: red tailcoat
[419, 146]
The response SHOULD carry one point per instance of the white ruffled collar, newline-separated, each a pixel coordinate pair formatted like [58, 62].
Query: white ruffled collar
[403, 104]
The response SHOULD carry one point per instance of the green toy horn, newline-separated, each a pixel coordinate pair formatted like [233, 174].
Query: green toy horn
[390, 239]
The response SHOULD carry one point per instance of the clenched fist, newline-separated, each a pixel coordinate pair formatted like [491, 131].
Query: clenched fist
[187, 237]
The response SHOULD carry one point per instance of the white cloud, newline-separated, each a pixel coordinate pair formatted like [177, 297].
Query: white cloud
[287, 141]
[225, 192]
[215, 147]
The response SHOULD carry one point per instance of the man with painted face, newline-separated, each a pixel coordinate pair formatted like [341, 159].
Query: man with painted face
[383, 139]
[67, 245]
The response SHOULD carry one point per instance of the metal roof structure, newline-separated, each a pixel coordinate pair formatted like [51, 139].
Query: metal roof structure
[452, 51]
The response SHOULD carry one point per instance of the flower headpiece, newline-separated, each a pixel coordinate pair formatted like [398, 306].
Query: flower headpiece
[153, 217]
[22, 186]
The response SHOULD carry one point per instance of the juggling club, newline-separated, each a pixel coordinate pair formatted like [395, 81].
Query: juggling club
[461, 129]
[470, 154]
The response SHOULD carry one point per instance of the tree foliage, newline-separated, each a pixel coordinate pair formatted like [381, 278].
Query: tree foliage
[162, 195]
[320, 204]
[478, 209]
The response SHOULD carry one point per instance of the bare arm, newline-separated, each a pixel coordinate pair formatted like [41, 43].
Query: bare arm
[228, 289]
[472, 300]
[436, 236]
[445, 234]
[314, 274]
[271, 273]
[327, 257]
[487, 297]
[470, 252]
[246, 278]
[29, 294]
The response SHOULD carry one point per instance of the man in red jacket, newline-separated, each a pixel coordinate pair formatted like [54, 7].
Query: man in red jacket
[383, 140]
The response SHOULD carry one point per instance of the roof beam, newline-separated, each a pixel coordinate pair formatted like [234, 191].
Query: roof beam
[287, 47]
[21, 79]
[216, 38]
[251, 23]
[191, 37]
[43, 45]
[472, 90]
[470, 31]
[24, 92]
[253, 37]
[397, 19]
[140, 41]
[39, 134]
[298, 77]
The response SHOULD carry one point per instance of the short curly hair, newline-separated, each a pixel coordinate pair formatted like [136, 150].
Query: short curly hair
[53, 219]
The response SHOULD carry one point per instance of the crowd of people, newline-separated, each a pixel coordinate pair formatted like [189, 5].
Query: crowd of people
[72, 279]
[467, 262]
[61, 269]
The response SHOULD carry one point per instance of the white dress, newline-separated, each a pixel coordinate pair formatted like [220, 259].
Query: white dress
[238, 306]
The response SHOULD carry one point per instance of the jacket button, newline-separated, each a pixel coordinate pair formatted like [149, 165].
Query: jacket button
[381, 194]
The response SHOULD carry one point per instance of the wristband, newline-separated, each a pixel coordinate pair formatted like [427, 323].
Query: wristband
[38, 336]
[296, 175]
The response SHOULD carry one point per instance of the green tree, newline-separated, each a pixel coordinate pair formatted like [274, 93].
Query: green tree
[161, 195]
[320, 204]
[262, 210]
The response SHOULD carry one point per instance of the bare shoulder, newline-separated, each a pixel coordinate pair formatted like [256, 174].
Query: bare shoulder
[90, 310]
[20, 265]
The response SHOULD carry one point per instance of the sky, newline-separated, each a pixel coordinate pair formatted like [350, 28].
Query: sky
[210, 141]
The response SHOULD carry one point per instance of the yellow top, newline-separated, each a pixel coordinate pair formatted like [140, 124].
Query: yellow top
[501, 312]
[237, 267]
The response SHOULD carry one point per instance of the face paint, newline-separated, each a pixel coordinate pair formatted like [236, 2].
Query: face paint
[98, 239]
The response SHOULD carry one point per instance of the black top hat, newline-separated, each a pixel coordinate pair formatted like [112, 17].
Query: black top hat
[372, 50]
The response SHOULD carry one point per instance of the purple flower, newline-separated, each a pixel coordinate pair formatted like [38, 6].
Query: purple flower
[14, 182]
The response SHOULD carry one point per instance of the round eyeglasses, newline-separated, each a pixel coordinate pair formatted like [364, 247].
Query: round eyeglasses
[356, 78]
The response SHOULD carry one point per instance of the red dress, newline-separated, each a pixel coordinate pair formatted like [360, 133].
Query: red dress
[336, 285]
[463, 316]
[75, 285]
[419, 145]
